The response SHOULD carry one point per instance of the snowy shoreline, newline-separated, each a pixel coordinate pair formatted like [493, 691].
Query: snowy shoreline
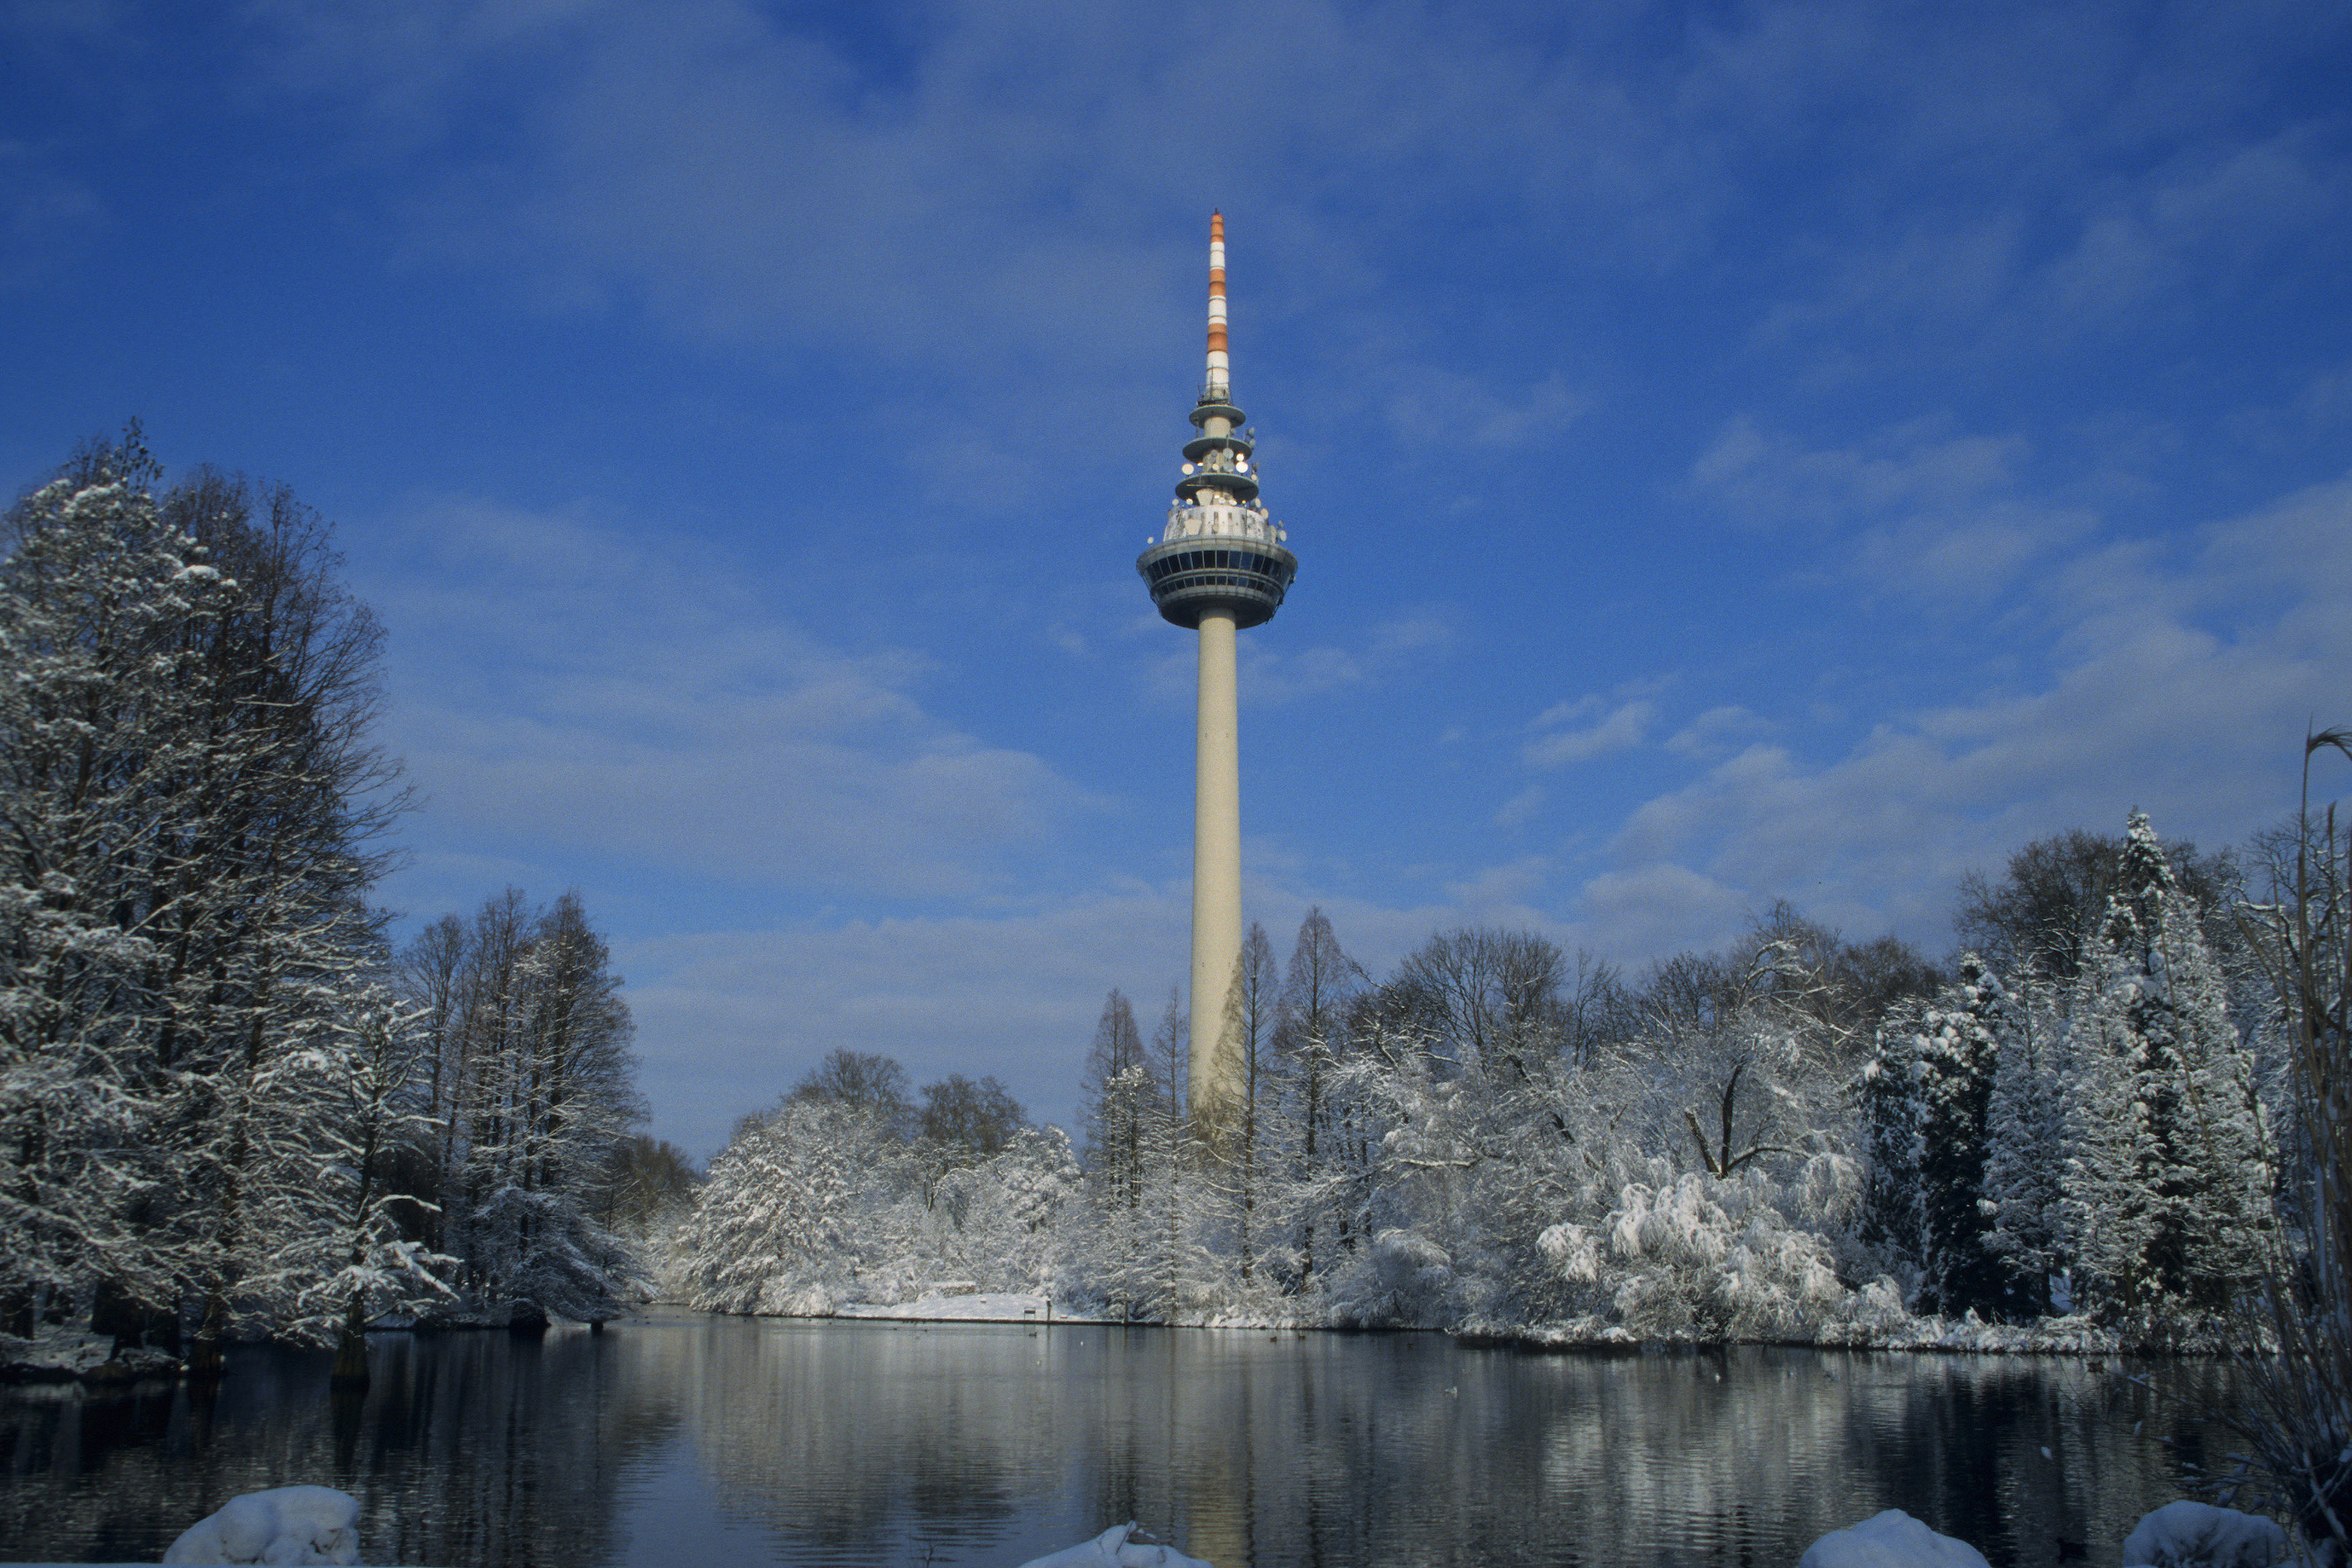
[89, 1359]
[2052, 1336]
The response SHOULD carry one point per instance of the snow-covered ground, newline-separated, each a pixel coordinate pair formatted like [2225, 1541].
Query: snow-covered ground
[63, 1357]
[969, 1307]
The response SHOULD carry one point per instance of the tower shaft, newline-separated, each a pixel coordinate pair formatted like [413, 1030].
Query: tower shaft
[1216, 864]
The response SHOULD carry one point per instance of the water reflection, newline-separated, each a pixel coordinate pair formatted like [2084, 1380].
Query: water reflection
[692, 1439]
[468, 1449]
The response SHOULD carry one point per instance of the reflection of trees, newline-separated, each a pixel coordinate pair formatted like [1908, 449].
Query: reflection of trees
[846, 1436]
[873, 1442]
[1331, 1450]
[469, 1448]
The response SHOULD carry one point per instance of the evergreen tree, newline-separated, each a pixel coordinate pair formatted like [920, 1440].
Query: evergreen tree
[2169, 1169]
[2026, 1153]
[1893, 1216]
[1956, 1054]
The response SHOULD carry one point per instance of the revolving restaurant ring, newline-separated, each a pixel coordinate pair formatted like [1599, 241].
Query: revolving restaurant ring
[1188, 576]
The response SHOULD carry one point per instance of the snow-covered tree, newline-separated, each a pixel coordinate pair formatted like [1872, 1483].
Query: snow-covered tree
[1311, 1035]
[193, 801]
[2168, 1172]
[803, 1201]
[2026, 1153]
[103, 722]
[1931, 1096]
[531, 1090]
[1005, 1222]
[1239, 1146]
[1146, 1199]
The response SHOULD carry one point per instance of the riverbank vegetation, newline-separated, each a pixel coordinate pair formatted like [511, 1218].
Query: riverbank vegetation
[2067, 1137]
[227, 1111]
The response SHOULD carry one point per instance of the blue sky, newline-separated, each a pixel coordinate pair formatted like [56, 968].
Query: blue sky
[1734, 452]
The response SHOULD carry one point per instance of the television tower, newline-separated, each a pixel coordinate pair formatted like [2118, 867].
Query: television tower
[1219, 568]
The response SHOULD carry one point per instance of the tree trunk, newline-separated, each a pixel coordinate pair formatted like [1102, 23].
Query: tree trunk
[351, 1352]
[205, 1361]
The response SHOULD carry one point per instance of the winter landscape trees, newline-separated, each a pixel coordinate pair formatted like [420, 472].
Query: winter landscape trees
[220, 1101]
[224, 1102]
[1794, 1136]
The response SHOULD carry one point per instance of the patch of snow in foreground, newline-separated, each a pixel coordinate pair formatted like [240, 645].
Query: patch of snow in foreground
[1113, 1549]
[287, 1524]
[1890, 1540]
[2183, 1533]
[973, 1308]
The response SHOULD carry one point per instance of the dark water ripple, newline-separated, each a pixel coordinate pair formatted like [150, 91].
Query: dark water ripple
[685, 1439]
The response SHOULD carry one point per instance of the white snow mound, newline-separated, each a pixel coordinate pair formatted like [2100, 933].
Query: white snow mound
[1890, 1540]
[1112, 1549]
[2198, 1536]
[287, 1525]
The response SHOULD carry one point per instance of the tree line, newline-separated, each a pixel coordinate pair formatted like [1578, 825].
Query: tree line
[1792, 1135]
[2073, 1120]
[227, 1108]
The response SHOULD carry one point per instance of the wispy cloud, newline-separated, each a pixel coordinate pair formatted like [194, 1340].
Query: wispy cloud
[1620, 729]
[2181, 687]
[1272, 677]
[568, 687]
[1920, 511]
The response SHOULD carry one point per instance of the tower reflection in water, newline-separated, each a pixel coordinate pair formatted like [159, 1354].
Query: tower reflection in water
[692, 1439]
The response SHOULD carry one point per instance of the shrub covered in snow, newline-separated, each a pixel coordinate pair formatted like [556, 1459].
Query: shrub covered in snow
[285, 1525]
[1890, 1540]
[2198, 1536]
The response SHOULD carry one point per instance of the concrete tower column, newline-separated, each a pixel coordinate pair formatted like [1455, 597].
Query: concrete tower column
[1216, 860]
[1220, 568]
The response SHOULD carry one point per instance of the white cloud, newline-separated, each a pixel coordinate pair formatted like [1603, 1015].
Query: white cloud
[1920, 511]
[1650, 910]
[1437, 410]
[563, 686]
[1717, 729]
[1625, 727]
[2183, 689]
[1270, 677]
[729, 1019]
[1515, 812]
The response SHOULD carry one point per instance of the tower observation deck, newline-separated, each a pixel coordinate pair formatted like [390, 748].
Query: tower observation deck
[1222, 565]
[1220, 549]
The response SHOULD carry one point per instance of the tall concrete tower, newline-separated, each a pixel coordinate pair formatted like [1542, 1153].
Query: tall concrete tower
[1219, 568]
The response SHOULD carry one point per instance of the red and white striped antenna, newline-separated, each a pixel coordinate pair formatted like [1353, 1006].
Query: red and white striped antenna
[1220, 384]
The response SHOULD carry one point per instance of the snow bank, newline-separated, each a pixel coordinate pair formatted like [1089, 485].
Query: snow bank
[1890, 1540]
[289, 1524]
[1112, 1549]
[2198, 1536]
[966, 1306]
[53, 1356]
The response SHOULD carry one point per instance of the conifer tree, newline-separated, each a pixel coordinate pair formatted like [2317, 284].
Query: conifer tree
[1956, 1053]
[2169, 1168]
[2025, 1153]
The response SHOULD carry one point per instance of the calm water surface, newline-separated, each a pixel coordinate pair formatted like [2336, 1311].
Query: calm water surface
[684, 1439]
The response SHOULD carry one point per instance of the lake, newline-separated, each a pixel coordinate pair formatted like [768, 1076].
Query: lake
[681, 1438]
